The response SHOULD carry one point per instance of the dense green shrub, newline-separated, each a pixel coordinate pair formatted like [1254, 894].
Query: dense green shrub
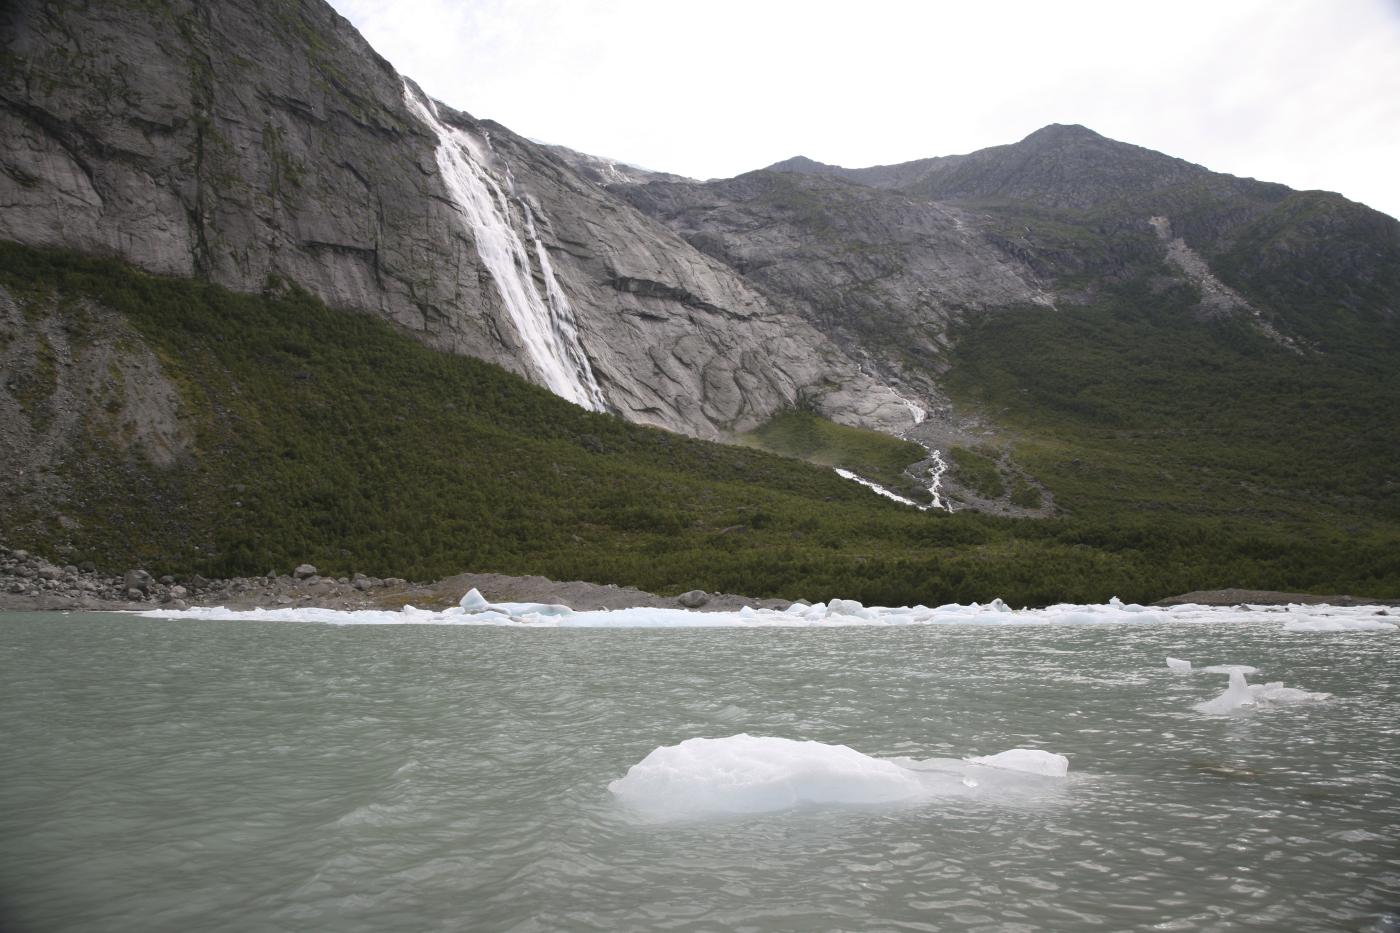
[977, 471]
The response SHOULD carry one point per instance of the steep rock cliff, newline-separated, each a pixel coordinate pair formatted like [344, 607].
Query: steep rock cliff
[247, 141]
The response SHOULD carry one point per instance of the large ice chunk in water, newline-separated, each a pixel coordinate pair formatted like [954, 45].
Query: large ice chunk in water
[1178, 665]
[1241, 693]
[1028, 760]
[1235, 696]
[756, 774]
[474, 601]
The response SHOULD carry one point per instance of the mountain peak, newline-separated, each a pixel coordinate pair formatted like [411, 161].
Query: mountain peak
[1062, 132]
[805, 166]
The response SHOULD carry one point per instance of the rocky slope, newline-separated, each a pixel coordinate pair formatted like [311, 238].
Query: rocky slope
[1068, 233]
[886, 259]
[881, 273]
[252, 140]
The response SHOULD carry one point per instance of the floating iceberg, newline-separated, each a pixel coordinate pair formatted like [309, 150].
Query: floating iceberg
[744, 774]
[1027, 760]
[756, 774]
[474, 601]
[1235, 696]
[1178, 665]
[1241, 693]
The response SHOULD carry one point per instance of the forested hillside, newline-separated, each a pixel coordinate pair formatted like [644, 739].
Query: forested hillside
[304, 433]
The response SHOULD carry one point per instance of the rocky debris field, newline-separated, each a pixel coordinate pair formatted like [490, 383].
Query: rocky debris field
[29, 582]
[1269, 598]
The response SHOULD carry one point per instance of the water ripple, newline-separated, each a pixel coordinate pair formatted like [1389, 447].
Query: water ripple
[181, 775]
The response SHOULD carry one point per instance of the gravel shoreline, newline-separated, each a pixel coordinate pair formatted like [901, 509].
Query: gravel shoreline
[30, 583]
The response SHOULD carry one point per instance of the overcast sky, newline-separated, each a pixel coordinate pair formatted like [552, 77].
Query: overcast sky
[1306, 92]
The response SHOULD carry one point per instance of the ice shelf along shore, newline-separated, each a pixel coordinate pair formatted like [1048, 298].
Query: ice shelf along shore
[545, 322]
[475, 609]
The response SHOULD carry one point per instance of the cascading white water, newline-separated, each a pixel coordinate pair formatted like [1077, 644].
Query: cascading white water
[878, 489]
[918, 415]
[935, 475]
[545, 323]
[915, 410]
[935, 488]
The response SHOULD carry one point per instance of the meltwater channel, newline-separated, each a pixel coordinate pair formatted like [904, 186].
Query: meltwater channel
[178, 775]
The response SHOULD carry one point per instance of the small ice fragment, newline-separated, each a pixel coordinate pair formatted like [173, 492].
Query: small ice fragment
[1235, 696]
[1029, 760]
[1231, 669]
[969, 782]
[1276, 694]
[474, 601]
[1178, 665]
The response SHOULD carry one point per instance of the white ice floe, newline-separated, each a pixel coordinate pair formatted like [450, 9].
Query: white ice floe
[742, 774]
[474, 601]
[1235, 696]
[1339, 625]
[476, 609]
[1027, 760]
[754, 774]
[1173, 664]
[1241, 694]
[1230, 669]
[1276, 694]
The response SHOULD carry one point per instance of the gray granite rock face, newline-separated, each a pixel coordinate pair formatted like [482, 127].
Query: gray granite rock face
[251, 141]
[881, 273]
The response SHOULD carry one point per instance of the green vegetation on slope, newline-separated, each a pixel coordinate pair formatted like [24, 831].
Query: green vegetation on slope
[977, 471]
[1133, 406]
[332, 437]
[870, 454]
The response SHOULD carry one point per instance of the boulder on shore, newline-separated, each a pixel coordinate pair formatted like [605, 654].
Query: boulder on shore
[693, 599]
[138, 581]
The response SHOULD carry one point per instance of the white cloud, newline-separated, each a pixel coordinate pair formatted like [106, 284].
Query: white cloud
[1305, 92]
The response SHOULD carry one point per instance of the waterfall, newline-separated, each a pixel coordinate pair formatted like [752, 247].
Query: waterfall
[935, 475]
[915, 411]
[935, 488]
[878, 489]
[545, 323]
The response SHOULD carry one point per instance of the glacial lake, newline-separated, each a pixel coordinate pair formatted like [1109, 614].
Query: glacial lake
[192, 775]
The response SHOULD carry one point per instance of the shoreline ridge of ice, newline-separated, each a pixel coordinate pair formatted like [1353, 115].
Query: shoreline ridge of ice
[475, 609]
